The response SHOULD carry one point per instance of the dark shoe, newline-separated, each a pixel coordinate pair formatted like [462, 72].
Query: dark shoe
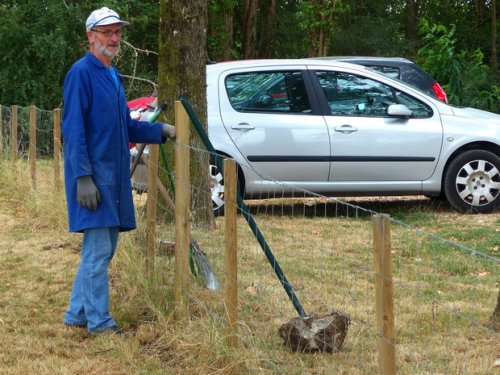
[114, 330]
[76, 325]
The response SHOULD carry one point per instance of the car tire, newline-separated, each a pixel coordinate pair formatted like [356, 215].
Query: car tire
[217, 186]
[472, 182]
[217, 190]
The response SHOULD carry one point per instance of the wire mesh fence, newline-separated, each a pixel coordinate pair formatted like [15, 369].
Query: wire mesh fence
[444, 291]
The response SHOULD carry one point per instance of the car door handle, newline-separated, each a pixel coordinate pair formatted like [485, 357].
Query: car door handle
[243, 126]
[346, 129]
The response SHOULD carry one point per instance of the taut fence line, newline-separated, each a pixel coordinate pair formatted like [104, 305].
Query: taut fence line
[383, 300]
[409, 293]
[38, 137]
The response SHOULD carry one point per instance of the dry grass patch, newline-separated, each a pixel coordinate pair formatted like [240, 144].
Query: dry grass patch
[443, 296]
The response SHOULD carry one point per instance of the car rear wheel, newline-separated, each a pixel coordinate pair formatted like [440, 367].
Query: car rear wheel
[217, 186]
[472, 182]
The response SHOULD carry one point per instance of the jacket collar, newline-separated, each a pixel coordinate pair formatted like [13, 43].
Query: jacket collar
[97, 63]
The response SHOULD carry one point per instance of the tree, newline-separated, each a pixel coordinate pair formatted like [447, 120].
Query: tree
[411, 21]
[39, 44]
[249, 28]
[221, 41]
[317, 19]
[182, 70]
[268, 31]
[494, 52]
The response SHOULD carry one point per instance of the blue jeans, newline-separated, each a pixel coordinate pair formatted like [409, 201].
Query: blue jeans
[89, 301]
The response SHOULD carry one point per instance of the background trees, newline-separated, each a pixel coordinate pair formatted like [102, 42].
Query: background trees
[455, 40]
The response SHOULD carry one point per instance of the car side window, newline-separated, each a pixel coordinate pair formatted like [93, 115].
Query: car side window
[418, 109]
[352, 95]
[279, 92]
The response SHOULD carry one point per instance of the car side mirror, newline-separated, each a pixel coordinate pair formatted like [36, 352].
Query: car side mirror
[399, 110]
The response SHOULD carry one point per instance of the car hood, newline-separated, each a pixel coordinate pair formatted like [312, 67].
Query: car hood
[475, 113]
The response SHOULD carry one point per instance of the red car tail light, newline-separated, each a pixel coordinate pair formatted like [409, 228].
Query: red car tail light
[440, 93]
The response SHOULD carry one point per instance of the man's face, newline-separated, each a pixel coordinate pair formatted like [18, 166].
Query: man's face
[106, 39]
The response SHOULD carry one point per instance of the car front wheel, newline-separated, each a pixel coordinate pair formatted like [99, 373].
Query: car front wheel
[472, 182]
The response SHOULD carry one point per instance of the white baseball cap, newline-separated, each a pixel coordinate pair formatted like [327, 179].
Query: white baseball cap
[103, 16]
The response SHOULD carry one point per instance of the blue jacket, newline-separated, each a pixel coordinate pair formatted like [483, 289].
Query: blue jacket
[96, 130]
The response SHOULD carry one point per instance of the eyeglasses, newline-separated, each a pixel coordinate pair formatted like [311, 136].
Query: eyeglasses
[109, 33]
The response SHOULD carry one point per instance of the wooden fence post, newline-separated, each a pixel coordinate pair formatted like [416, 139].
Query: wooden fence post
[231, 280]
[383, 294]
[1, 133]
[13, 133]
[152, 205]
[32, 150]
[182, 203]
[57, 148]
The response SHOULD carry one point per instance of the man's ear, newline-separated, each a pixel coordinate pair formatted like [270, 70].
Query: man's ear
[90, 36]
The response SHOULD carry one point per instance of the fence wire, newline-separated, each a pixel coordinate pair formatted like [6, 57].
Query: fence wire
[444, 291]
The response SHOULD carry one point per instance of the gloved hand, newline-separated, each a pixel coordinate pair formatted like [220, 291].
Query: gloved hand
[168, 131]
[87, 194]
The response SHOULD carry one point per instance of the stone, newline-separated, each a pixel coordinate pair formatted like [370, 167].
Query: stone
[314, 333]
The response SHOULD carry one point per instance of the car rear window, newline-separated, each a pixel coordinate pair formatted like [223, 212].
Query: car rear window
[389, 71]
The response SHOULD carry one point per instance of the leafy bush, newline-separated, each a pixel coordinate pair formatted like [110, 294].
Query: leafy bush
[464, 76]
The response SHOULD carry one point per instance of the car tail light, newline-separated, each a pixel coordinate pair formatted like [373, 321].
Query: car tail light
[440, 93]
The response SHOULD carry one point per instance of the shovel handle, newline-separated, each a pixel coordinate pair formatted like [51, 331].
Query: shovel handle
[140, 151]
[141, 148]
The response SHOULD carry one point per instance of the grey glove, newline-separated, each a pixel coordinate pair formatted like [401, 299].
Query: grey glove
[168, 131]
[87, 193]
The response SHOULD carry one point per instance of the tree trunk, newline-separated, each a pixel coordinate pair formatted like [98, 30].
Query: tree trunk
[494, 61]
[182, 70]
[227, 43]
[411, 21]
[249, 28]
[314, 47]
[479, 5]
[321, 24]
[268, 31]
[220, 21]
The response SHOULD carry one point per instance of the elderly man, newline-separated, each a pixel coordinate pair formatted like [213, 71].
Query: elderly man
[97, 129]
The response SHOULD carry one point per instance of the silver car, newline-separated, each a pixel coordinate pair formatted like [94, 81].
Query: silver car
[341, 129]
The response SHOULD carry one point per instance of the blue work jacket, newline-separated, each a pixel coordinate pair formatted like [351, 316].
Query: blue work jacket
[97, 129]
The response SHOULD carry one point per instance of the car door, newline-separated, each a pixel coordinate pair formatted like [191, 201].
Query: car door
[269, 116]
[371, 147]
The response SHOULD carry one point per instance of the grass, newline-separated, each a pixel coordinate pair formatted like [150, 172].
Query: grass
[443, 295]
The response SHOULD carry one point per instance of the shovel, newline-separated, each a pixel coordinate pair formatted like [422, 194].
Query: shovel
[199, 262]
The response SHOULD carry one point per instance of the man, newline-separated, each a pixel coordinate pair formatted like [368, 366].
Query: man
[97, 129]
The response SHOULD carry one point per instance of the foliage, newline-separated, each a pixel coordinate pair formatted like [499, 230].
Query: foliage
[218, 33]
[33, 74]
[52, 37]
[51, 43]
[370, 29]
[463, 74]
[316, 18]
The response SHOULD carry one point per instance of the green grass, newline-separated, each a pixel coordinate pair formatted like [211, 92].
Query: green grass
[443, 296]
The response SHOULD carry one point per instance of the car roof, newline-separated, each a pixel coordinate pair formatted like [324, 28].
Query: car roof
[280, 62]
[368, 58]
[375, 60]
